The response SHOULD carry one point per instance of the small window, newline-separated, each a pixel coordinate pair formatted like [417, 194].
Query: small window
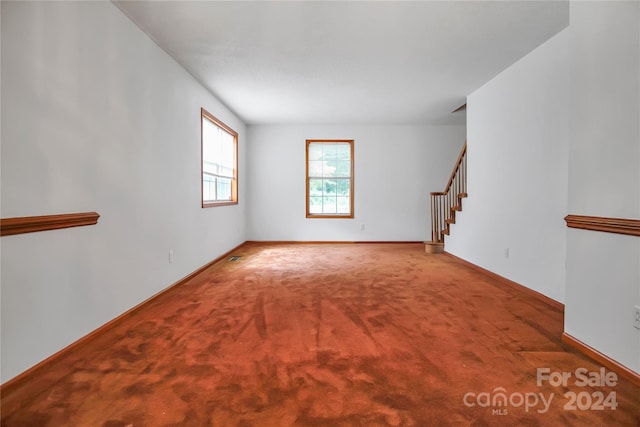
[219, 162]
[329, 178]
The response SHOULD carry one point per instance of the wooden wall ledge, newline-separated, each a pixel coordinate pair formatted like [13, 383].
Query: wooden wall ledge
[30, 224]
[609, 225]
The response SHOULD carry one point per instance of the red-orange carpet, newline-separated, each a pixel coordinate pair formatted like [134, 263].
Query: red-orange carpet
[330, 335]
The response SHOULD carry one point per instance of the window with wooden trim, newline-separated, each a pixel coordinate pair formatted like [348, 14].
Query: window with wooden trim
[329, 178]
[219, 162]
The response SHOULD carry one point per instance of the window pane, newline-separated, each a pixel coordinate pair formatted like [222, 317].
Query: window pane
[329, 167]
[223, 189]
[226, 172]
[328, 150]
[344, 187]
[330, 187]
[343, 151]
[343, 168]
[209, 136]
[343, 205]
[329, 205]
[315, 187]
[315, 151]
[208, 188]
[315, 168]
[227, 150]
[315, 205]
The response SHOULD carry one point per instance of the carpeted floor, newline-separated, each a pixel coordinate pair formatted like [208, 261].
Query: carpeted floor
[329, 335]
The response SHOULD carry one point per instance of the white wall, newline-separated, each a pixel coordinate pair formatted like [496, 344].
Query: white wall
[518, 130]
[603, 272]
[395, 169]
[97, 118]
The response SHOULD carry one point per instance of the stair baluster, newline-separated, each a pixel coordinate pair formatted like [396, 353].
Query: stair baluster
[444, 204]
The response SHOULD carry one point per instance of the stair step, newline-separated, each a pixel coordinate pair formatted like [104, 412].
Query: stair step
[451, 220]
[456, 208]
[462, 195]
[434, 247]
[446, 231]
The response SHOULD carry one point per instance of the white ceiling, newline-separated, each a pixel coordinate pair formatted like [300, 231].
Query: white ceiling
[355, 62]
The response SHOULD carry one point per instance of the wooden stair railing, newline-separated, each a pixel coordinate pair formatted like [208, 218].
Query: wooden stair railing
[445, 204]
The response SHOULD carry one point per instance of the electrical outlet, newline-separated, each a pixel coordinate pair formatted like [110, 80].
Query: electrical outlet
[636, 321]
[361, 227]
[506, 253]
[170, 256]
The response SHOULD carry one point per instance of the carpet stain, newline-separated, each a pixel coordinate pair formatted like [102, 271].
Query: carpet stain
[324, 335]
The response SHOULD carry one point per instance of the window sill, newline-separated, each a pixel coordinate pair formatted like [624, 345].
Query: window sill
[331, 216]
[215, 204]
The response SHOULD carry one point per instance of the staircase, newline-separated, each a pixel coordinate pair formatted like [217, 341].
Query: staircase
[445, 204]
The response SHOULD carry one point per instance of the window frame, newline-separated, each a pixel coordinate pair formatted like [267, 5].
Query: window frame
[204, 114]
[351, 213]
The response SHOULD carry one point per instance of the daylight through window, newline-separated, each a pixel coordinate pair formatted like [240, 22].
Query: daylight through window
[329, 178]
[219, 162]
